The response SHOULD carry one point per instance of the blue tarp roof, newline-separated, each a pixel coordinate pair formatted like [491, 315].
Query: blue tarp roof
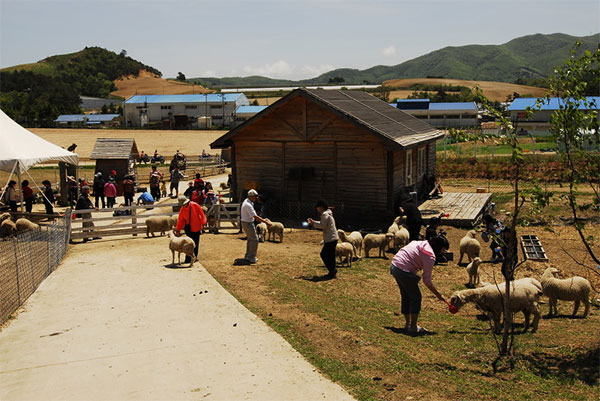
[453, 106]
[68, 118]
[211, 98]
[522, 103]
[250, 109]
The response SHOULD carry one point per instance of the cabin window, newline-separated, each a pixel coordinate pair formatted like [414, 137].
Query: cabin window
[408, 179]
[421, 162]
[165, 107]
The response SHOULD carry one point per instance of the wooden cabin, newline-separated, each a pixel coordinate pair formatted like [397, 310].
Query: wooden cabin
[116, 154]
[348, 147]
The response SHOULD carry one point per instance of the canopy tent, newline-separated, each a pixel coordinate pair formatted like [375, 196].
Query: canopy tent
[20, 149]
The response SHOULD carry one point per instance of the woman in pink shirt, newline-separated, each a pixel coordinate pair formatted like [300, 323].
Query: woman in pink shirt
[110, 191]
[417, 255]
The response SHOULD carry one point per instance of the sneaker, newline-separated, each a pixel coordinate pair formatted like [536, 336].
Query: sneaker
[419, 331]
[253, 261]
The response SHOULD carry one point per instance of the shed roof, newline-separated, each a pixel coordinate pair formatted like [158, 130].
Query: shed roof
[111, 148]
[522, 103]
[209, 98]
[66, 118]
[453, 106]
[250, 109]
[394, 126]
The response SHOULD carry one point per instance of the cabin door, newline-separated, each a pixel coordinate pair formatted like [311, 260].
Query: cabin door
[309, 172]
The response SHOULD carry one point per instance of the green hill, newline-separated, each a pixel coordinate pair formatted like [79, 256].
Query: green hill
[520, 60]
[35, 94]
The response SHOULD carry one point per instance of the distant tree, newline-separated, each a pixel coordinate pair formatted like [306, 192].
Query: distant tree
[120, 110]
[255, 102]
[104, 109]
[112, 108]
[123, 53]
[180, 76]
[336, 80]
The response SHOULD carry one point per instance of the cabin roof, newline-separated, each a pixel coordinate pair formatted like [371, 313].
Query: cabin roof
[111, 148]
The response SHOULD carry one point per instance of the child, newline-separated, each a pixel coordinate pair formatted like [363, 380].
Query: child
[163, 189]
[27, 196]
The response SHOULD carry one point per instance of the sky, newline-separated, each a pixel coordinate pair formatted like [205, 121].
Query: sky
[292, 39]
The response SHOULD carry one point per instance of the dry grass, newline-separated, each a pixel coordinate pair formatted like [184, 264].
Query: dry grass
[147, 83]
[492, 90]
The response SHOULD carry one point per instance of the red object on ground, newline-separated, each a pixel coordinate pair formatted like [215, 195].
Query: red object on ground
[451, 308]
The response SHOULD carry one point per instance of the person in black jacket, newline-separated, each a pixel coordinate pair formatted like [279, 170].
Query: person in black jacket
[84, 202]
[99, 189]
[414, 221]
[48, 197]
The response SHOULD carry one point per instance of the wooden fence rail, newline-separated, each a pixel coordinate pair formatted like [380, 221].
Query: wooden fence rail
[135, 223]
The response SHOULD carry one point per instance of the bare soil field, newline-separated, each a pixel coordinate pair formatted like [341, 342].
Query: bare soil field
[147, 83]
[167, 142]
[493, 90]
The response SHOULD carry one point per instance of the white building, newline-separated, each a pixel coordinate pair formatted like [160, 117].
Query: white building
[183, 111]
[441, 115]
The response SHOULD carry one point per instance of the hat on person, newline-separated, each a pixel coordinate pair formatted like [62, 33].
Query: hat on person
[252, 192]
[186, 202]
[98, 174]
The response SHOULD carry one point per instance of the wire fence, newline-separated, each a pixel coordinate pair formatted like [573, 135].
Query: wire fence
[27, 258]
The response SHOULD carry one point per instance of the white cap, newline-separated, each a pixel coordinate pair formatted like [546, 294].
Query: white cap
[252, 192]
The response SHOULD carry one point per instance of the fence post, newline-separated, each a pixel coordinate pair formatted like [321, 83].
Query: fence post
[134, 220]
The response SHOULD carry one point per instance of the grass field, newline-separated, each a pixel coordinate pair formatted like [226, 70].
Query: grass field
[495, 91]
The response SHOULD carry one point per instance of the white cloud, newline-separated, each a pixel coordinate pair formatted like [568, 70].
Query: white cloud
[209, 73]
[312, 71]
[389, 51]
[278, 69]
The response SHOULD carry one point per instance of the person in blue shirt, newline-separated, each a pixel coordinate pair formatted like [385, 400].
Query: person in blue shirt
[145, 199]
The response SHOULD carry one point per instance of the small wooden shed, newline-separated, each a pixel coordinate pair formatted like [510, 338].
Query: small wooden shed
[116, 154]
[348, 147]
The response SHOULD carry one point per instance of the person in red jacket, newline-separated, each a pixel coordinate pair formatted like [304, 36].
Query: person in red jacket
[28, 196]
[192, 218]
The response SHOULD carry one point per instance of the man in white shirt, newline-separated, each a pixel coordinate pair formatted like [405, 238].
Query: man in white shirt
[248, 217]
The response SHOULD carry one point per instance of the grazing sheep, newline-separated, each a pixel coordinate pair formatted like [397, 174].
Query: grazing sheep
[393, 228]
[473, 271]
[470, 246]
[5, 216]
[575, 289]
[159, 223]
[355, 238]
[23, 224]
[262, 230]
[401, 238]
[380, 241]
[489, 299]
[344, 250]
[181, 245]
[7, 228]
[275, 229]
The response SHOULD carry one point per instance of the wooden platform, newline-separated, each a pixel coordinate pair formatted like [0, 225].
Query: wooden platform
[464, 209]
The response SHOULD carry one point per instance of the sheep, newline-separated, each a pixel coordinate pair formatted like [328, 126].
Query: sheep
[470, 246]
[275, 229]
[524, 297]
[355, 238]
[473, 271]
[570, 289]
[401, 238]
[181, 245]
[23, 224]
[159, 223]
[377, 241]
[5, 216]
[261, 229]
[393, 228]
[344, 250]
[7, 228]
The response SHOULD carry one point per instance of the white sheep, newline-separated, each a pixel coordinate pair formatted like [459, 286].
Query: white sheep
[380, 241]
[473, 271]
[344, 250]
[401, 238]
[5, 216]
[181, 245]
[575, 289]
[23, 224]
[469, 246]
[261, 229]
[355, 238]
[524, 297]
[160, 224]
[393, 228]
[275, 229]
[7, 228]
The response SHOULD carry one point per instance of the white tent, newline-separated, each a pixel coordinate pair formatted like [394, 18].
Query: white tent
[20, 149]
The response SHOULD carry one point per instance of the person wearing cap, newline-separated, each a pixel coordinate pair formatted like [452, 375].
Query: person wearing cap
[48, 197]
[248, 217]
[417, 255]
[84, 202]
[192, 218]
[155, 179]
[330, 236]
[99, 190]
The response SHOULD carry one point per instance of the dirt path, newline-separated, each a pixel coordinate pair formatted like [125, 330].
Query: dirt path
[115, 323]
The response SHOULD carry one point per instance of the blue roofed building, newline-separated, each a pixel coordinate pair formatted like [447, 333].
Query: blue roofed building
[184, 111]
[244, 113]
[88, 120]
[441, 115]
[539, 122]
